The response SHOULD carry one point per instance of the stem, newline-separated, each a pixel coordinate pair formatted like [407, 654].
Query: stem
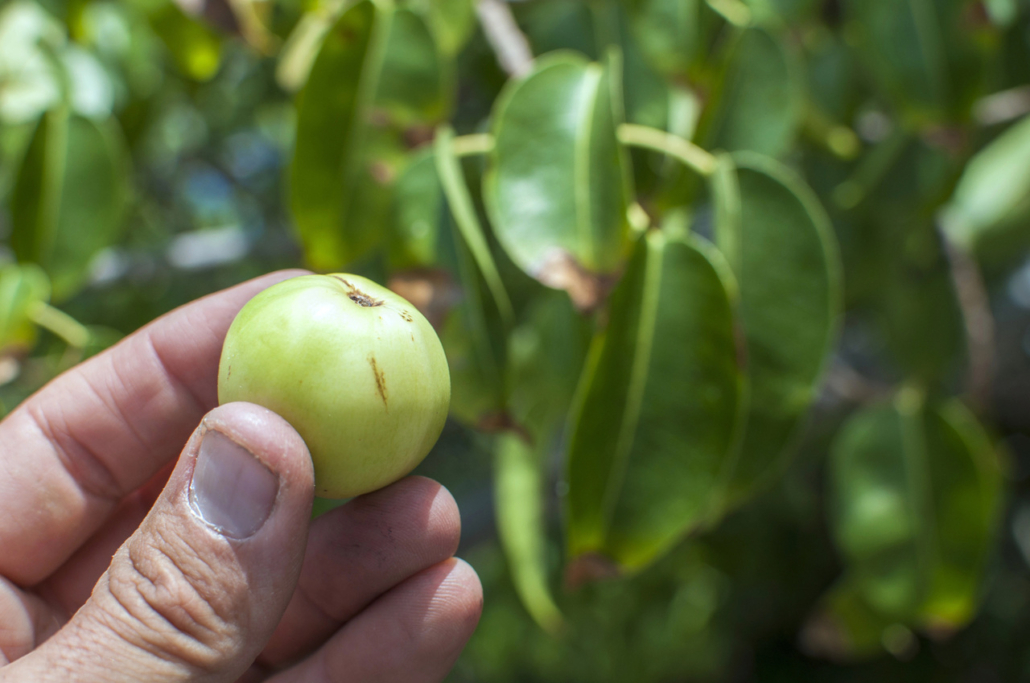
[508, 42]
[690, 154]
[60, 323]
[470, 145]
[975, 304]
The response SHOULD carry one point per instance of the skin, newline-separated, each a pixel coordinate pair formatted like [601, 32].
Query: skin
[355, 368]
[108, 574]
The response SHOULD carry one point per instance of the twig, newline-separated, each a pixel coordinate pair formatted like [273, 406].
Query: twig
[508, 42]
[979, 322]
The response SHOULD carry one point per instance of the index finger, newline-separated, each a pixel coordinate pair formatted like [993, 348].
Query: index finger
[70, 452]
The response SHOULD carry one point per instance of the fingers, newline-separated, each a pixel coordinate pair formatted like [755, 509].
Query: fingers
[97, 432]
[414, 633]
[196, 592]
[359, 551]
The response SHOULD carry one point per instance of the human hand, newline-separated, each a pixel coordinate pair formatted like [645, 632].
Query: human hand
[217, 573]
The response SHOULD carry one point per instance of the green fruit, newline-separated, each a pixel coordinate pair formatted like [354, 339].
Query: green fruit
[356, 370]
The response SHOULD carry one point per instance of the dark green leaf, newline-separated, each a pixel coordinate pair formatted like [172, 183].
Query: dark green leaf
[416, 84]
[759, 101]
[660, 407]
[780, 243]
[669, 32]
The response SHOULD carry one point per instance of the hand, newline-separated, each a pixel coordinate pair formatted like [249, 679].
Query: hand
[217, 573]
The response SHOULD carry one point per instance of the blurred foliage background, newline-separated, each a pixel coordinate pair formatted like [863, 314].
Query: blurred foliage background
[735, 293]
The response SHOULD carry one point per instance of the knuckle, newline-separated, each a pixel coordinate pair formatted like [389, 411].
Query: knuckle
[177, 601]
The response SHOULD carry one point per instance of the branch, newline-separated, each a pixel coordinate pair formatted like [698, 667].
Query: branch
[979, 322]
[508, 42]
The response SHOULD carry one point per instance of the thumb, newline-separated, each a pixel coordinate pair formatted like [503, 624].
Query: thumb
[197, 591]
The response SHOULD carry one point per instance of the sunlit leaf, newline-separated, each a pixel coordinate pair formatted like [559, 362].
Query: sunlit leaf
[991, 203]
[30, 83]
[780, 243]
[70, 197]
[557, 186]
[660, 407]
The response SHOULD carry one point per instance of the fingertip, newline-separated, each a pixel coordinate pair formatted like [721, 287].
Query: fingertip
[268, 436]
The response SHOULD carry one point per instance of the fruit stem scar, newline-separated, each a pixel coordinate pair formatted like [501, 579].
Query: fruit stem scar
[380, 379]
[359, 297]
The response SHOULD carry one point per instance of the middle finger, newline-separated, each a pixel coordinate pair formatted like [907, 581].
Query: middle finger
[359, 551]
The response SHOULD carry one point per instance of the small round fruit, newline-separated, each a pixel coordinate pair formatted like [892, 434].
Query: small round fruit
[356, 370]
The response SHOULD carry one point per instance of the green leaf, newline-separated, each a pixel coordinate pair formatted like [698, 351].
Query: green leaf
[991, 202]
[758, 103]
[332, 193]
[915, 491]
[464, 211]
[416, 83]
[377, 75]
[22, 287]
[546, 353]
[655, 430]
[966, 486]
[669, 32]
[557, 185]
[520, 505]
[418, 205]
[451, 21]
[780, 243]
[919, 53]
[879, 503]
[69, 198]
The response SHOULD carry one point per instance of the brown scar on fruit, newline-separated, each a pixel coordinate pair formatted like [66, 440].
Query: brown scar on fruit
[359, 297]
[405, 316]
[380, 379]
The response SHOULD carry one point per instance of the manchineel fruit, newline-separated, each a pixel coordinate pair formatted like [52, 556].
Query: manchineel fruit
[355, 368]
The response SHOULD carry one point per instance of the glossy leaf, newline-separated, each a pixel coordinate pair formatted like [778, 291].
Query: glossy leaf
[780, 243]
[69, 198]
[29, 82]
[915, 493]
[759, 102]
[993, 195]
[655, 431]
[22, 287]
[520, 506]
[557, 185]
